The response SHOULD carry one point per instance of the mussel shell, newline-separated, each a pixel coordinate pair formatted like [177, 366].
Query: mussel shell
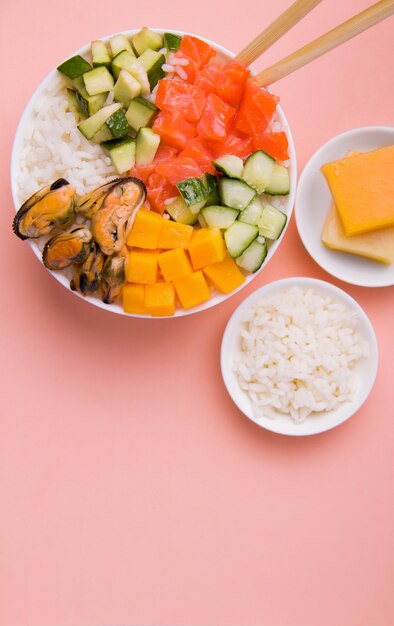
[41, 222]
[113, 278]
[92, 201]
[87, 275]
[112, 221]
[66, 248]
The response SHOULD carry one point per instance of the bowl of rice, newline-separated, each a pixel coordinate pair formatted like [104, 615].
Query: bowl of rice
[48, 146]
[299, 356]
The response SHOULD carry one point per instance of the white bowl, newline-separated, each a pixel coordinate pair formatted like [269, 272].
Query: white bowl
[314, 200]
[366, 369]
[223, 54]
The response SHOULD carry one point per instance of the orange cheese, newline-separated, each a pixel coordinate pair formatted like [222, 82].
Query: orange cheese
[362, 186]
[377, 245]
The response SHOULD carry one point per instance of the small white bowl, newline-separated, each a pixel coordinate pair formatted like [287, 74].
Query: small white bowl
[222, 55]
[366, 369]
[314, 200]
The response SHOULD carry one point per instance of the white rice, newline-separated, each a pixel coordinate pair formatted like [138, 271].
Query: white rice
[298, 352]
[53, 147]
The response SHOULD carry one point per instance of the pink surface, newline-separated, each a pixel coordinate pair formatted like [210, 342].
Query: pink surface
[132, 490]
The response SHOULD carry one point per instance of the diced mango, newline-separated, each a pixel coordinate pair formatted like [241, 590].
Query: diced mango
[377, 245]
[192, 289]
[142, 267]
[362, 186]
[225, 275]
[174, 264]
[160, 299]
[174, 235]
[145, 230]
[206, 247]
[134, 298]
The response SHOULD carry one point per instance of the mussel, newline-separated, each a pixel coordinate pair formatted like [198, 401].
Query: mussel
[113, 278]
[87, 275]
[49, 208]
[111, 208]
[70, 247]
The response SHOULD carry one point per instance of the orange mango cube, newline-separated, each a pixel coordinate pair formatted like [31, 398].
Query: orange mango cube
[225, 275]
[160, 299]
[206, 247]
[174, 264]
[145, 230]
[174, 235]
[134, 298]
[142, 267]
[192, 289]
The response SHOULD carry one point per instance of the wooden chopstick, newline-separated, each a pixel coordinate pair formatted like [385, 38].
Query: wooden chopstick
[276, 30]
[335, 37]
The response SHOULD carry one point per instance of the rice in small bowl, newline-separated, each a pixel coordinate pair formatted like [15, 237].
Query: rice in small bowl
[299, 356]
[48, 146]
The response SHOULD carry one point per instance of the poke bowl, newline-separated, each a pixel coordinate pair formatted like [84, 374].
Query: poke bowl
[54, 159]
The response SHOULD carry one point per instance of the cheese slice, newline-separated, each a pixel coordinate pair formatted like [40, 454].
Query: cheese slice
[362, 185]
[378, 245]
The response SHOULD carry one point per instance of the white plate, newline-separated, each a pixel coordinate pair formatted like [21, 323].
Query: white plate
[314, 200]
[366, 369]
[223, 55]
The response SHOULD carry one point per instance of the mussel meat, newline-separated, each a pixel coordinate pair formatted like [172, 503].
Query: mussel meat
[111, 208]
[49, 208]
[87, 275]
[113, 278]
[66, 248]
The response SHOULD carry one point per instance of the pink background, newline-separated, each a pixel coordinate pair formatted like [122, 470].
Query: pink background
[132, 491]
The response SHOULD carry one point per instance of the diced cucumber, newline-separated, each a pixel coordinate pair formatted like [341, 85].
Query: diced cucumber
[74, 67]
[140, 113]
[122, 153]
[202, 220]
[193, 191]
[219, 216]
[152, 62]
[212, 190]
[147, 39]
[90, 104]
[102, 135]
[100, 54]
[118, 124]
[279, 184]
[253, 257]
[73, 106]
[125, 60]
[235, 193]
[172, 42]
[252, 213]
[230, 165]
[146, 144]
[258, 170]
[181, 213]
[126, 88]
[92, 124]
[98, 80]
[272, 222]
[238, 237]
[119, 43]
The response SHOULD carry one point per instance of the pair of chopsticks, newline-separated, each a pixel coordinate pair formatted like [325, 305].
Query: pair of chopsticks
[335, 37]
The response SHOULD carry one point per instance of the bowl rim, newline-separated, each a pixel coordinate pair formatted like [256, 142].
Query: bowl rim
[308, 173]
[290, 427]
[215, 299]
